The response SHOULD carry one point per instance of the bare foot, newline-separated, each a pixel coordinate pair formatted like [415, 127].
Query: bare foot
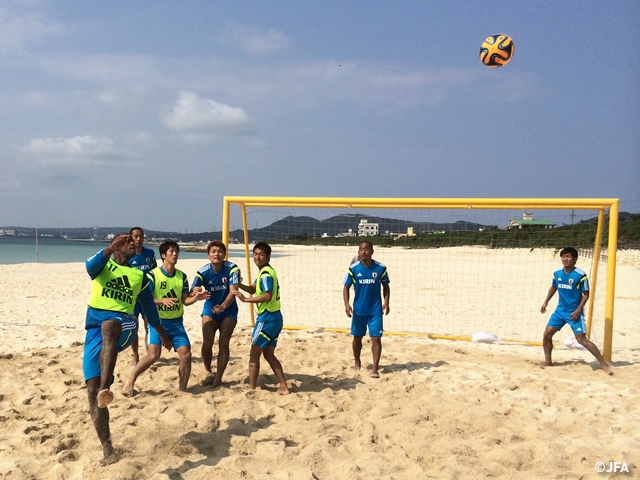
[546, 363]
[216, 383]
[127, 390]
[607, 369]
[105, 397]
[207, 379]
[375, 374]
[283, 390]
[135, 358]
[110, 455]
[356, 367]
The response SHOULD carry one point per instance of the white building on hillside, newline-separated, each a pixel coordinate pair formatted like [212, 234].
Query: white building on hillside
[366, 229]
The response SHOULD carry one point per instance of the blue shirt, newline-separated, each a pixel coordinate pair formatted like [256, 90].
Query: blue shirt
[95, 265]
[570, 288]
[145, 260]
[367, 283]
[217, 284]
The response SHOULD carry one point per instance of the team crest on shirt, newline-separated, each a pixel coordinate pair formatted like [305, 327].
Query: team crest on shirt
[374, 274]
[571, 281]
[224, 280]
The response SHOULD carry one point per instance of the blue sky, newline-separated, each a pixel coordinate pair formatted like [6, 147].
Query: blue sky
[148, 113]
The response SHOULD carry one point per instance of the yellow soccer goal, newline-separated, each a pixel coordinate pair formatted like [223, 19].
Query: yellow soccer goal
[457, 265]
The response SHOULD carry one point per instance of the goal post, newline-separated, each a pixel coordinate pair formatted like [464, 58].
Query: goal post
[442, 248]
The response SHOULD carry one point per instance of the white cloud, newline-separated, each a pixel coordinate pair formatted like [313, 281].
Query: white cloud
[256, 41]
[194, 113]
[75, 151]
[18, 31]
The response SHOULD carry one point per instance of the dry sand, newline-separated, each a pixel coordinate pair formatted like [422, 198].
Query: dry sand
[441, 409]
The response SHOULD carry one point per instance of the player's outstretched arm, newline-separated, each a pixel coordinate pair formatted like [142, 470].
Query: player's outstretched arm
[198, 293]
[251, 289]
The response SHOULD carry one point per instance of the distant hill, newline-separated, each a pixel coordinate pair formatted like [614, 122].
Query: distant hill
[339, 224]
[296, 227]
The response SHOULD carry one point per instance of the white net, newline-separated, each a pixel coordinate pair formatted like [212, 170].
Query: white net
[453, 271]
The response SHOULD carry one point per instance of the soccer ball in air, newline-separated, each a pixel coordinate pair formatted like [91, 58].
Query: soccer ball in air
[496, 50]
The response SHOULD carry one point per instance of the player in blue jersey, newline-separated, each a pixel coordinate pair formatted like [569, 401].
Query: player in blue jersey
[111, 326]
[264, 338]
[170, 289]
[572, 286]
[220, 311]
[367, 277]
[145, 261]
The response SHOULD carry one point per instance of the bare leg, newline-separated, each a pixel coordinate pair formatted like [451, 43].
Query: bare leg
[146, 335]
[254, 365]
[589, 345]
[135, 356]
[547, 345]
[100, 418]
[276, 366]
[226, 330]
[356, 344]
[184, 370]
[111, 330]
[152, 356]
[376, 351]
[209, 327]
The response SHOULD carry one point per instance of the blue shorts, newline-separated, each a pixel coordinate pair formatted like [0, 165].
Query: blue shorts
[266, 330]
[219, 320]
[230, 312]
[175, 331]
[560, 319]
[359, 324]
[93, 338]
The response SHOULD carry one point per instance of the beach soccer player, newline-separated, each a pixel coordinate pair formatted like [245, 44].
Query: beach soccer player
[145, 261]
[111, 326]
[171, 294]
[367, 277]
[572, 286]
[220, 278]
[268, 326]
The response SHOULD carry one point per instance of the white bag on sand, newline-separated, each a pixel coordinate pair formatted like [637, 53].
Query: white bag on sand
[484, 337]
[571, 342]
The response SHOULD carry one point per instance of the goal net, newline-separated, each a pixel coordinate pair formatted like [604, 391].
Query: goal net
[457, 266]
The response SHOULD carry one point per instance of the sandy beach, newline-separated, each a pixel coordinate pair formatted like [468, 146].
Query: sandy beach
[441, 409]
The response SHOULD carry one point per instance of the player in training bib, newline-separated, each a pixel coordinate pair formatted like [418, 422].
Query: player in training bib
[171, 294]
[220, 311]
[111, 326]
[367, 277]
[269, 322]
[572, 286]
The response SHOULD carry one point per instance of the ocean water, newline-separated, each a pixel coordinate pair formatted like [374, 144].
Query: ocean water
[58, 250]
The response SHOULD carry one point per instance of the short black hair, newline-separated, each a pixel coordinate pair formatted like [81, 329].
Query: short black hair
[134, 229]
[216, 243]
[570, 250]
[264, 246]
[367, 241]
[165, 246]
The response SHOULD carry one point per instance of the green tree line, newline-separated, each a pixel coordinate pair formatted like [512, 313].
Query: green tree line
[580, 235]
